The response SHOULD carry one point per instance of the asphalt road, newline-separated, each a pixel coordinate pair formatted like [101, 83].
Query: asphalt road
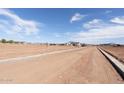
[84, 65]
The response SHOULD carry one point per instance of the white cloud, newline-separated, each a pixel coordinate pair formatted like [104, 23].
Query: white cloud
[95, 23]
[119, 20]
[102, 33]
[76, 17]
[98, 30]
[15, 24]
[57, 35]
[108, 11]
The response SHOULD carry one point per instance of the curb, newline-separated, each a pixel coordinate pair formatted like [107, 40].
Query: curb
[117, 64]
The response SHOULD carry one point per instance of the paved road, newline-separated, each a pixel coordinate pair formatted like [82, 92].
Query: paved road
[86, 65]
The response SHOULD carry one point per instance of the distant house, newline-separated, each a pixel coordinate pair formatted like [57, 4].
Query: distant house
[74, 43]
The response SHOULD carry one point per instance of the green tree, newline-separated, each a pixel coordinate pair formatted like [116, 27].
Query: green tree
[3, 41]
[10, 41]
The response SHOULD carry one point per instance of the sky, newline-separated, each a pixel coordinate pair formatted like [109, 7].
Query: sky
[61, 25]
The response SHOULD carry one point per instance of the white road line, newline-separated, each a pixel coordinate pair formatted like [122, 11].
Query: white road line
[114, 60]
[35, 56]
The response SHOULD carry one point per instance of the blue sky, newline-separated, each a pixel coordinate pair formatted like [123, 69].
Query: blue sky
[63, 25]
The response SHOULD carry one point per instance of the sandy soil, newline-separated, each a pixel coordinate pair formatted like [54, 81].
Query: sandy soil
[116, 51]
[17, 50]
[86, 65]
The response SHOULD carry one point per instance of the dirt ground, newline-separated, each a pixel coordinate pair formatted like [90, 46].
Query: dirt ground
[117, 51]
[85, 65]
[17, 50]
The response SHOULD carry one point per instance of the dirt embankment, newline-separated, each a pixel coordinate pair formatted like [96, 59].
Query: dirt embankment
[117, 51]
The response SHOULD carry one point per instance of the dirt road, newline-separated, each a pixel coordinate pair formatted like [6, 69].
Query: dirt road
[85, 65]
